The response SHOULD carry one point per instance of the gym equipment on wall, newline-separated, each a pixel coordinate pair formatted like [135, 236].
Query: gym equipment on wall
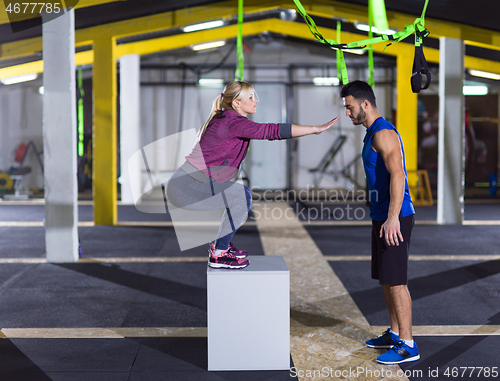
[326, 167]
[491, 184]
[420, 191]
[6, 183]
[18, 172]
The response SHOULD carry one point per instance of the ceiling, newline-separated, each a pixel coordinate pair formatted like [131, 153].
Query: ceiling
[477, 13]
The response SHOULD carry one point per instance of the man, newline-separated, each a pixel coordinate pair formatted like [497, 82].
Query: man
[393, 216]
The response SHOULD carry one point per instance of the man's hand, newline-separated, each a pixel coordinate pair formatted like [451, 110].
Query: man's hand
[390, 230]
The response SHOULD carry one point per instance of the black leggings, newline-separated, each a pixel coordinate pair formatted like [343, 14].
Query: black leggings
[185, 192]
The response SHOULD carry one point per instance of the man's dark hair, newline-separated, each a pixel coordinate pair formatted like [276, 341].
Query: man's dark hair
[360, 91]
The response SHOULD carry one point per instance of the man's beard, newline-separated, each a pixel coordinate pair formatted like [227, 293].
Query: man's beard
[360, 118]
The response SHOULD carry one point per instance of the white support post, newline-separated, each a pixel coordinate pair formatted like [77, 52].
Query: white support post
[60, 139]
[130, 140]
[451, 139]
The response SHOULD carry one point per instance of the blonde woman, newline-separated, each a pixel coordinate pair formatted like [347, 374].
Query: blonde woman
[214, 162]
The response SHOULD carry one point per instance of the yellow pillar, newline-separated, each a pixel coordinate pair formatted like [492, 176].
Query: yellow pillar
[104, 154]
[406, 111]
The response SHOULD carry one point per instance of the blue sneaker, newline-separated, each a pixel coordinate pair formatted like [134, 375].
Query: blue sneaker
[399, 353]
[387, 340]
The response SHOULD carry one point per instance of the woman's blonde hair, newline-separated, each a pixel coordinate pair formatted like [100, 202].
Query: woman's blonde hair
[236, 90]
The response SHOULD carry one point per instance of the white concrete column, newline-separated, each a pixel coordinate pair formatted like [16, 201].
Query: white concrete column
[59, 139]
[451, 139]
[130, 140]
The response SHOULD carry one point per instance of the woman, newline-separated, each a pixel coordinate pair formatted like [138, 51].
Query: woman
[203, 182]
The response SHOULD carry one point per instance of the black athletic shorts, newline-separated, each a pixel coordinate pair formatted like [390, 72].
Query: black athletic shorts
[390, 263]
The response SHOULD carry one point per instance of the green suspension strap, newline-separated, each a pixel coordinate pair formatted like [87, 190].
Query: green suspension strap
[419, 62]
[376, 8]
[371, 66]
[81, 129]
[238, 76]
[396, 37]
[341, 66]
[337, 53]
[417, 27]
[334, 44]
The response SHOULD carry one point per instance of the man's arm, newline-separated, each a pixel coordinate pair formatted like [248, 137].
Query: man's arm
[386, 142]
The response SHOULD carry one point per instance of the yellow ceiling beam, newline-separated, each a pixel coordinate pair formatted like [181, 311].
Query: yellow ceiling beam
[227, 9]
[28, 47]
[30, 67]
[21, 48]
[4, 15]
[82, 58]
[186, 39]
[291, 29]
[251, 28]
[485, 46]
[141, 25]
[126, 28]
[482, 64]
[91, 3]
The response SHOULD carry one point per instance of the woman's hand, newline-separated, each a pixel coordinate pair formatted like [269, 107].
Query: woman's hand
[326, 126]
[298, 131]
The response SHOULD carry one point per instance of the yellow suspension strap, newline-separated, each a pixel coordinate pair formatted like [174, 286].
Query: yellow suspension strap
[238, 75]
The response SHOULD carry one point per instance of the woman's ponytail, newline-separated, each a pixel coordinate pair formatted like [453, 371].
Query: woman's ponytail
[236, 90]
[216, 108]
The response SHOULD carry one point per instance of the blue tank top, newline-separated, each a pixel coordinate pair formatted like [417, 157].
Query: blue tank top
[378, 177]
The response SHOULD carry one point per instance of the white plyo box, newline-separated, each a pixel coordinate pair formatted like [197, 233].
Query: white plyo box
[249, 316]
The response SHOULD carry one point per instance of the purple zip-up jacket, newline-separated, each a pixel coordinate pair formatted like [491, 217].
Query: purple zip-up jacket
[225, 142]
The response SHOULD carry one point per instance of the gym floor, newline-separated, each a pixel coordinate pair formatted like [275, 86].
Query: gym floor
[134, 306]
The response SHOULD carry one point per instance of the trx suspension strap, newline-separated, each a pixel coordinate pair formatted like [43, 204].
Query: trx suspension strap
[341, 67]
[419, 65]
[371, 66]
[376, 10]
[238, 75]
[417, 27]
[81, 129]
[334, 44]
[419, 62]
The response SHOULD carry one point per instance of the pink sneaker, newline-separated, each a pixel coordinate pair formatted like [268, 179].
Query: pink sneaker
[236, 252]
[226, 260]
